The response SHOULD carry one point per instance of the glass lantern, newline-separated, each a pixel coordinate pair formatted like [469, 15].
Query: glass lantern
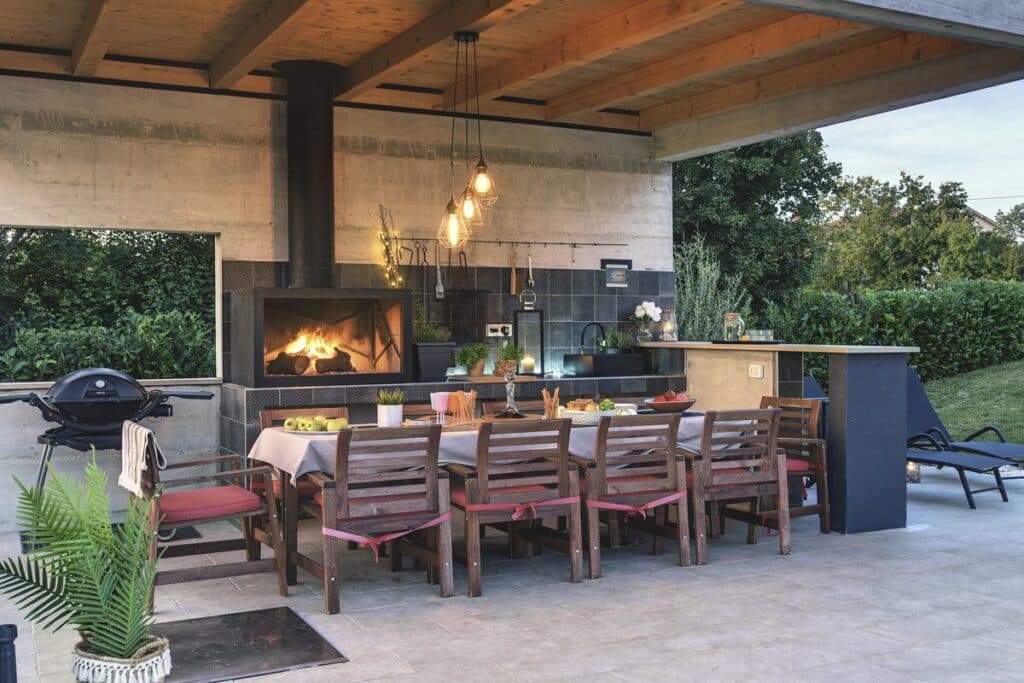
[669, 328]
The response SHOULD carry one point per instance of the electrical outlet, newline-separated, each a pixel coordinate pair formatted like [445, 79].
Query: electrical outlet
[498, 329]
[756, 371]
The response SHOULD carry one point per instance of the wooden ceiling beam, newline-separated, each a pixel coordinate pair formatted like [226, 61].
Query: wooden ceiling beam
[913, 84]
[93, 38]
[906, 50]
[275, 24]
[631, 26]
[780, 39]
[411, 46]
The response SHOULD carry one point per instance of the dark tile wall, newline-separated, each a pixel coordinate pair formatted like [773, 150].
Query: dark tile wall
[477, 295]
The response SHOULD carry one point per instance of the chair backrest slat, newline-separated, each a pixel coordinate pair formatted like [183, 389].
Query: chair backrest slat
[386, 471]
[547, 442]
[275, 417]
[644, 443]
[739, 446]
[800, 419]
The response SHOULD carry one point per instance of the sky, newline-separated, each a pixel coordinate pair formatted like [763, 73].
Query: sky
[976, 139]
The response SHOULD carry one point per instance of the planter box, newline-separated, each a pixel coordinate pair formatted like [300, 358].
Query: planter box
[603, 364]
[431, 361]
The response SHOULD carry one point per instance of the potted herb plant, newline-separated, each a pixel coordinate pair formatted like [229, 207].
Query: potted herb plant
[85, 573]
[508, 359]
[472, 357]
[616, 341]
[389, 407]
[432, 348]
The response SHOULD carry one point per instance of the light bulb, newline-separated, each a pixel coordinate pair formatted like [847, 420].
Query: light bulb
[482, 183]
[453, 228]
[468, 208]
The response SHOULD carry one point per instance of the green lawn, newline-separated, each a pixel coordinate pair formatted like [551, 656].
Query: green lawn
[993, 395]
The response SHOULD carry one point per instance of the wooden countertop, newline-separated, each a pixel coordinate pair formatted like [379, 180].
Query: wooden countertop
[800, 348]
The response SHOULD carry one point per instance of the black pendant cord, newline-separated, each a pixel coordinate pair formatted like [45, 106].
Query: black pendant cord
[476, 89]
[466, 71]
[455, 96]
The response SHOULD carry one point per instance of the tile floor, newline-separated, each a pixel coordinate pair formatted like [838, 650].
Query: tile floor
[937, 601]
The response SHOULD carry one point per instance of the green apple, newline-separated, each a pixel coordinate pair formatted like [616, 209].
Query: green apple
[337, 424]
[291, 423]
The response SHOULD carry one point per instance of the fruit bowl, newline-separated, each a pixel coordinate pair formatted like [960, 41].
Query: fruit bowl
[670, 406]
[585, 417]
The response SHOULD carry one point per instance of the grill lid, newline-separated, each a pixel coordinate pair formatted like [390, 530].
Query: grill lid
[97, 395]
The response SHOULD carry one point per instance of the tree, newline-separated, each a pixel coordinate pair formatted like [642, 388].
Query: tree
[907, 234]
[1013, 221]
[757, 208]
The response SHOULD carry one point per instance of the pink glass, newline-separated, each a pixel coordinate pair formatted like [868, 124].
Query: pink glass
[439, 402]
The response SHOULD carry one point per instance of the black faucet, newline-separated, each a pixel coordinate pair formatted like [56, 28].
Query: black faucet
[583, 333]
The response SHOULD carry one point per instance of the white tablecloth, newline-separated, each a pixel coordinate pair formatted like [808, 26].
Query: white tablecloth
[305, 452]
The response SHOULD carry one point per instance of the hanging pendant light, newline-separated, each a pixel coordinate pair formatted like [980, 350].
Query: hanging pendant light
[481, 182]
[453, 233]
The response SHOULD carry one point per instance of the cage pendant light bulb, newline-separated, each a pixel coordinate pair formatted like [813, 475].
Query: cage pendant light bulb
[483, 184]
[469, 206]
[453, 233]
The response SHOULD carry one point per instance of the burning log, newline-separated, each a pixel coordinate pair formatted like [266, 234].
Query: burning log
[288, 364]
[341, 362]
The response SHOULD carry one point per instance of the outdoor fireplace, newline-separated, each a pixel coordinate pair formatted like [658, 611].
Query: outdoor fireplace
[318, 337]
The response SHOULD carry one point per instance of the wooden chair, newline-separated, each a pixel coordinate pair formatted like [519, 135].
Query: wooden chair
[636, 470]
[233, 501]
[799, 437]
[275, 417]
[386, 482]
[739, 460]
[522, 475]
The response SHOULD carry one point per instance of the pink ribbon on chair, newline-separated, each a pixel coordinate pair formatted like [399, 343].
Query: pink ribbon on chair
[520, 509]
[641, 510]
[375, 542]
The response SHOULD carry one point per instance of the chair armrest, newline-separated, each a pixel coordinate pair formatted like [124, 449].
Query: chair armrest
[206, 461]
[582, 462]
[940, 436]
[989, 428]
[318, 478]
[928, 440]
[461, 470]
[219, 476]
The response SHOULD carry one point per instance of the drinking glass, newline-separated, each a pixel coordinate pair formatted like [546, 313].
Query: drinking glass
[439, 402]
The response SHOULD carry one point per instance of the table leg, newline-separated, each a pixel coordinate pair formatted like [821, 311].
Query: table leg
[867, 418]
[290, 506]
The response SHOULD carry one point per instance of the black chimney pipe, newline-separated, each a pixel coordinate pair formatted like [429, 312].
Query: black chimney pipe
[312, 86]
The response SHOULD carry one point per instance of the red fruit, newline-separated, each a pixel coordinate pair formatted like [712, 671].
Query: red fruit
[669, 395]
[659, 399]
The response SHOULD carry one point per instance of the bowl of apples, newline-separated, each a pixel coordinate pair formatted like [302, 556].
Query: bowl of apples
[671, 402]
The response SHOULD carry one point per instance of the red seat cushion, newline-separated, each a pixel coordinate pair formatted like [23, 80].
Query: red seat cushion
[797, 465]
[208, 503]
[307, 487]
[459, 491]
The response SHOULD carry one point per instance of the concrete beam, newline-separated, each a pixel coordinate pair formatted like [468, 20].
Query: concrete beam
[993, 22]
[837, 103]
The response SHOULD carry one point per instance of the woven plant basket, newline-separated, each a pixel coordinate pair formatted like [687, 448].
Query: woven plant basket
[505, 367]
[150, 664]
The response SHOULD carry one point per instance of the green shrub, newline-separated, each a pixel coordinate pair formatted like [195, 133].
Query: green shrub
[961, 326]
[155, 346]
[703, 293]
[471, 354]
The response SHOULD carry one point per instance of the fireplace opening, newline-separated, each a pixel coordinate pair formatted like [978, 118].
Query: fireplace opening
[320, 337]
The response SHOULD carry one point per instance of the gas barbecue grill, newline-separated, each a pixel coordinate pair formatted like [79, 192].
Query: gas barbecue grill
[90, 406]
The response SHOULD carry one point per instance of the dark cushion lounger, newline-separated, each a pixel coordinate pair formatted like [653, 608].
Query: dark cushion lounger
[961, 462]
[922, 419]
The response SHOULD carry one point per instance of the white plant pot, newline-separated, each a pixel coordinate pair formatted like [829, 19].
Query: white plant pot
[151, 664]
[389, 416]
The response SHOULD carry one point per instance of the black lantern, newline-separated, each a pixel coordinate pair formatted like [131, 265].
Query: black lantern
[528, 330]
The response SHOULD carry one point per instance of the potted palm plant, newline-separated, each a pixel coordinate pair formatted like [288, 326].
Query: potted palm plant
[432, 348]
[389, 407]
[472, 357]
[86, 573]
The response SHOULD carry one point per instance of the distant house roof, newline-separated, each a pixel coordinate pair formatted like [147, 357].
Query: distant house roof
[984, 223]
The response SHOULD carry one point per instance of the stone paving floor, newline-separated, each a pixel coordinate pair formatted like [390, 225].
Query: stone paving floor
[937, 601]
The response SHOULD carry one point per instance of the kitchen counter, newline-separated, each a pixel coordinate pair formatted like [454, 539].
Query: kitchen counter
[798, 348]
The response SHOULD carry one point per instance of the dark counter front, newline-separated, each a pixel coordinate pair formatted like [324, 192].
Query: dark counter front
[241, 405]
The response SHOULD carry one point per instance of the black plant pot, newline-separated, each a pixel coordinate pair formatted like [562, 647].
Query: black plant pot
[431, 361]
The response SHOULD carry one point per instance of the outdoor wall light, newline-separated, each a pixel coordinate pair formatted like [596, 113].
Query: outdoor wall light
[913, 473]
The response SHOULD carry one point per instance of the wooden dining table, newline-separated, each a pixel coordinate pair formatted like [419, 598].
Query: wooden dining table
[294, 454]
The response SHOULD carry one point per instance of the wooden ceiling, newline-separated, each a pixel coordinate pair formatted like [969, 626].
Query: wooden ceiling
[635, 65]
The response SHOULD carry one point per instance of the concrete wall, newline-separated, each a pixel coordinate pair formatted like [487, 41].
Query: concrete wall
[88, 155]
[192, 432]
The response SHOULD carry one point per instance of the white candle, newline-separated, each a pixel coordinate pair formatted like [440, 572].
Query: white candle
[528, 364]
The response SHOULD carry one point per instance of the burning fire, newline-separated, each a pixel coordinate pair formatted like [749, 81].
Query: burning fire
[315, 343]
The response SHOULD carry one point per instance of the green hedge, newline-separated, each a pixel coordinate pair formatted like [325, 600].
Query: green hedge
[153, 346]
[960, 326]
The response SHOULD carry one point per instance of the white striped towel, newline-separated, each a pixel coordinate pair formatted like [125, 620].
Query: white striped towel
[135, 443]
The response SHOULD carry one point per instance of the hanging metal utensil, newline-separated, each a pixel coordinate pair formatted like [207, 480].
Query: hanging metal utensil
[513, 285]
[439, 287]
[528, 297]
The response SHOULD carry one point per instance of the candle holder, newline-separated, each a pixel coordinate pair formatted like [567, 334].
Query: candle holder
[510, 411]
[528, 331]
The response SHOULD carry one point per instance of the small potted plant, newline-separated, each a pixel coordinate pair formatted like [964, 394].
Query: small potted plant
[616, 341]
[508, 359]
[432, 348]
[645, 315]
[84, 572]
[389, 407]
[472, 357]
